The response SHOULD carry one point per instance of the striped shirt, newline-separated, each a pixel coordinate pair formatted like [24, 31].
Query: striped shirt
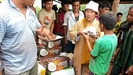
[17, 42]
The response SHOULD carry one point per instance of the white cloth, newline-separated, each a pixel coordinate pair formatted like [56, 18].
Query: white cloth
[91, 30]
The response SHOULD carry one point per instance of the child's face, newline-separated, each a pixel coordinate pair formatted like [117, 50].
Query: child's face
[119, 17]
[49, 5]
[101, 26]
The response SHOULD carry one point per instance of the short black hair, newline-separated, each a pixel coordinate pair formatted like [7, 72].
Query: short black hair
[64, 2]
[44, 1]
[104, 4]
[108, 19]
[55, 8]
[131, 7]
[75, 1]
[119, 13]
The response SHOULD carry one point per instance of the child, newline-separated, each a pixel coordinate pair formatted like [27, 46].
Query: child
[104, 47]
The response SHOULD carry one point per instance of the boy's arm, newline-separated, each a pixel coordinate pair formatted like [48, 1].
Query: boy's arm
[65, 23]
[93, 52]
[42, 23]
[52, 27]
[89, 48]
[52, 24]
[116, 52]
[87, 41]
[41, 18]
[88, 44]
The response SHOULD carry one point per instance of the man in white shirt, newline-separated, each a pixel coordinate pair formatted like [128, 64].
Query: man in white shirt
[70, 19]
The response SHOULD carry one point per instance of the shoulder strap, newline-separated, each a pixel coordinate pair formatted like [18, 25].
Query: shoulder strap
[84, 23]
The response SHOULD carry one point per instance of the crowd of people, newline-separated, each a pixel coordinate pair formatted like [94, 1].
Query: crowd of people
[96, 36]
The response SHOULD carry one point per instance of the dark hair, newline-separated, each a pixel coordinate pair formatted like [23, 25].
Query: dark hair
[119, 13]
[75, 1]
[55, 8]
[44, 1]
[124, 26]
[64, 2]
[131, 7]
[105, 4]
[109, 20]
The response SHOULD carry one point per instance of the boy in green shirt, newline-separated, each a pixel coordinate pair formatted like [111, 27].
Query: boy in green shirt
[104, 47]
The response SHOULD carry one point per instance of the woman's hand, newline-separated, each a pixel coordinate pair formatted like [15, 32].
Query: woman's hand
[79, 33]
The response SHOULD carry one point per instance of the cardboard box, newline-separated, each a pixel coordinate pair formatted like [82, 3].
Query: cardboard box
[41, 70]
[55, 63]
[50, 52]
[48, 44]
[66, 71]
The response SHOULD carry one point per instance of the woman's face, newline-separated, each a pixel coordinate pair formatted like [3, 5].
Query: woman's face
[90, 14]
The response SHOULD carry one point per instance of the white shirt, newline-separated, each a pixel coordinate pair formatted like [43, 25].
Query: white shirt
[69, 21]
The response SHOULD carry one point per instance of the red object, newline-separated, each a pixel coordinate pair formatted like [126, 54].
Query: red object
[58, 27]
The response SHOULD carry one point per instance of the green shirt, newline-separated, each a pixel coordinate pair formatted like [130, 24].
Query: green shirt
[103, 50]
